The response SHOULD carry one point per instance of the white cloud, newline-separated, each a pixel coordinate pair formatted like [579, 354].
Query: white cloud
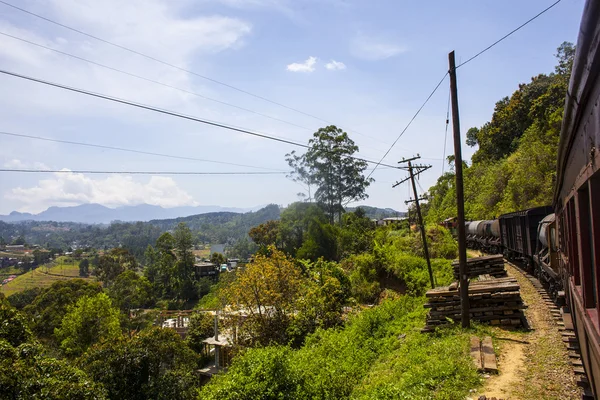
[335, 65]
[116, 190]
[160, 28]
[18, 164]
[306, 66]
[374, 48]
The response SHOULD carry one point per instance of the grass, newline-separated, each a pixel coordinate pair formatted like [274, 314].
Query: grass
[204, 253]
[42, 276]
[379, 354]
[12, 270]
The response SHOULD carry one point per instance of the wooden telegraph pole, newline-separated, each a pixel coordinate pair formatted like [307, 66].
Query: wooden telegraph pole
[419, 168]
[460, 199]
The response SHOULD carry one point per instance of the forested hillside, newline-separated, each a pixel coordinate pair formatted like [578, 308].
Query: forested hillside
[514, 166]
[218, 227]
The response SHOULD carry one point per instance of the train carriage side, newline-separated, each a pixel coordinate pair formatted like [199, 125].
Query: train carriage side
[577, 193]
[519, 233]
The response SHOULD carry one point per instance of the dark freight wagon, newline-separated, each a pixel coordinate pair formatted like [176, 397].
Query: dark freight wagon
[519, 233]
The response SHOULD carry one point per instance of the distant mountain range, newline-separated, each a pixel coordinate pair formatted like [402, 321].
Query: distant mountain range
[99, 214]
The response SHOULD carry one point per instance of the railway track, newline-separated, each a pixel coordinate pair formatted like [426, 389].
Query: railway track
[562, 317]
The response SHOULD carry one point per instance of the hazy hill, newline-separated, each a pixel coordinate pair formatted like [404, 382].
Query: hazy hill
[99, 214]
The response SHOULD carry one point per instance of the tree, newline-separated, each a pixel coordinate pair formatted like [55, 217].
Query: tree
[321, 240]
[25, 373]
[14, 328]
[89, 321]
[113, 263]
[200, 327]
[243, 249]
[295, 223]
[184, 243]
[565, 55]
[131, 291]
[153, 364]
[41, 257]
[328, 163]
[84, 268]
[267, 289]
[21, 299]
[472, 136]
[160, 268]
[50, 306]
[217, 259]
[300, 173]
[19, 241]
[265, 234]
[356, 235]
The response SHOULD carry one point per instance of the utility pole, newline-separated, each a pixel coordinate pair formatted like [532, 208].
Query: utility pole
[460, 199]
[419, 168]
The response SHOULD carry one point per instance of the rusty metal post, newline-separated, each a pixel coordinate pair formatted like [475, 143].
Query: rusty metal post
[460, 198]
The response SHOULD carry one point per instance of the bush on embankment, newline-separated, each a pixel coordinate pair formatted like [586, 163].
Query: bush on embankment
[380, 353]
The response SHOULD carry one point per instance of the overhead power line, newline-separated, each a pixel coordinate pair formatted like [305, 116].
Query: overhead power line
[509, 33]
[460, 65]
[408, 125]
[151, 80]
[178, 67]
[171, 113]
[161, 83]
[63, 171]
[446, 132]
[151, 108]
[133, 151]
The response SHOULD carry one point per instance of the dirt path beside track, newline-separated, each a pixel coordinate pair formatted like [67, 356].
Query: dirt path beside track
[534, 364]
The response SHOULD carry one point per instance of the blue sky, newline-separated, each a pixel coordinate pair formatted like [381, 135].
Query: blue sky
[365, 65]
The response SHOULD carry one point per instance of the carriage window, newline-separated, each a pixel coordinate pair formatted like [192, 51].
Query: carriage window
[585, 242]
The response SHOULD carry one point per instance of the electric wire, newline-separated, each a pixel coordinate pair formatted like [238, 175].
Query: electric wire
[163, 84]
[179, 68]
[101, 146]
[446, 133]
[150, 108]
[171, 113]
[409, 123]
[508, 34]
[460, 65]
[151, 80]
[67, 171]
[403, 130]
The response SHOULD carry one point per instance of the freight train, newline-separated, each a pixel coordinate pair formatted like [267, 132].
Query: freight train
[560, 244]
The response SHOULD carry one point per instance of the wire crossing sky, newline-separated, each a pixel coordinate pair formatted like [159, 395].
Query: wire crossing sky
[350, 63]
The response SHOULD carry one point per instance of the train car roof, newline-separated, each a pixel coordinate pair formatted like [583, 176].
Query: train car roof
[586, 68]
[543, 210]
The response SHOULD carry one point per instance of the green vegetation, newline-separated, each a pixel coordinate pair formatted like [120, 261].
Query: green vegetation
[380, 353]
[89, 321]
[514, 166]
[153, 364]
[290, 308]
[328, 164]
[26, 372]
[295, 313]
[43, 277]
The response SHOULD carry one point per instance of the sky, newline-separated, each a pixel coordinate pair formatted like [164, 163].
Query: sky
[364, 65]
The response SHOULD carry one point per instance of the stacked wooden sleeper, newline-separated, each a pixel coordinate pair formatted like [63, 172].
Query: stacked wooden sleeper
[490, 265]
[495, 301]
